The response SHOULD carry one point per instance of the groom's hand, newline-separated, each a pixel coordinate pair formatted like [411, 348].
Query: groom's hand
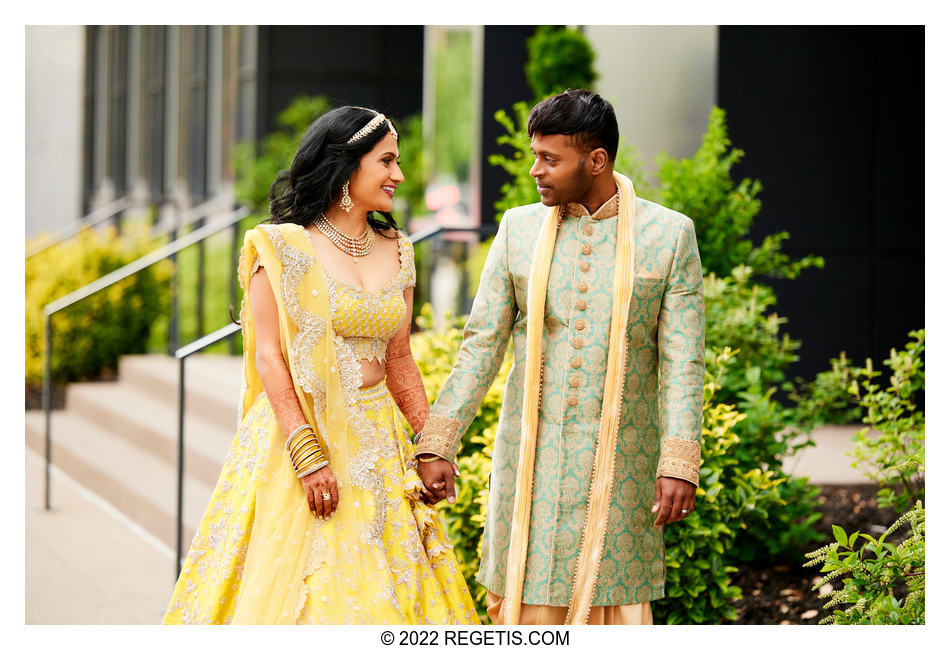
[438, 480]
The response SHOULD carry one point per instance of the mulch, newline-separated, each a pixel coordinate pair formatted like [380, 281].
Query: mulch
[781, 593]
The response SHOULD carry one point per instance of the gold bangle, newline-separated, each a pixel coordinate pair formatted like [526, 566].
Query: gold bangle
[302, 427]
[314, 456]
[429, 460]
[304, 451]
[303, 442]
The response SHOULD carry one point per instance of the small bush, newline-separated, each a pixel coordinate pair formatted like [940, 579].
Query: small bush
[559, 59]
[826, 399]
[891, 448]
[884, 581]
[89, 336]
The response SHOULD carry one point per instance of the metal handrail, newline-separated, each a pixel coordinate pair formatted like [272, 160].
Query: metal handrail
[181, 354]
[186, 351]
[105, 281]
[94, 218]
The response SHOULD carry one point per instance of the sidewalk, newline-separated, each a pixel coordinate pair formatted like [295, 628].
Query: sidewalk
[85, 562]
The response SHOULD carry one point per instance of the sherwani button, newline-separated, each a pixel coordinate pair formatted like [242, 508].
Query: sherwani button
[581, 305]
[586, 249]
[585, 267]
[578, 343]
[575, 381]
[576, 362]
[582, 287]
[588, 230]
[572, 400]
[579, 325]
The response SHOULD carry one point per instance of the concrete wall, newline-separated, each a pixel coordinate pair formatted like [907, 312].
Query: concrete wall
[661, 81]
[54, 101]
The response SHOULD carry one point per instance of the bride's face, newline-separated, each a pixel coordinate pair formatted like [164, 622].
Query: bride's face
[373, 184]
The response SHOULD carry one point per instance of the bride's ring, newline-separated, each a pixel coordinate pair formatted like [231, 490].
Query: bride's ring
[327, 497]
[684, 511]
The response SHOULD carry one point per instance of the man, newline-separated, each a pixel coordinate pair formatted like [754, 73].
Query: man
[598, 440]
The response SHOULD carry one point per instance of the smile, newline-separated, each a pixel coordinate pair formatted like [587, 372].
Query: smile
[389, 189]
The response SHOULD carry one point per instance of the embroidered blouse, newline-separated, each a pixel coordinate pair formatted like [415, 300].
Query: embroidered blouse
[365, 320]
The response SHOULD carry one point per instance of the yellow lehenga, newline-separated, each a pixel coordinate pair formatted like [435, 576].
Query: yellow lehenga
[259, 555]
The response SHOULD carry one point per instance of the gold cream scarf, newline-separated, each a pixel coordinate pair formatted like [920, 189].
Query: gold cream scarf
[595, 526]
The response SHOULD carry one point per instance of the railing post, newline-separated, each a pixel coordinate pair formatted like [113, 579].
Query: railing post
[173, 297]
[47, 402]
[235, 248]
[181, 464]
[200, 293]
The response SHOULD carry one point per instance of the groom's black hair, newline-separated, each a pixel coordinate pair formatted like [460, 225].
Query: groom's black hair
[585, 116]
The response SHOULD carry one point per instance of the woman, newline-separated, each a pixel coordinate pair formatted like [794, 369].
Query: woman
[319, 515]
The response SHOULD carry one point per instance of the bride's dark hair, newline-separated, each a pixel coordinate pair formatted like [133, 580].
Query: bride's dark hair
[323, 163]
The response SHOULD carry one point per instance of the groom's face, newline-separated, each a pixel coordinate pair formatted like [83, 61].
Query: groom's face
[561, 171]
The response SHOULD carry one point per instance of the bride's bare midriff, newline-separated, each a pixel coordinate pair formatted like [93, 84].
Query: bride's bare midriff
[373, 372]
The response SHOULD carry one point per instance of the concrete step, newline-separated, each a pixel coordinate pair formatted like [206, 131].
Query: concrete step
[151, 424]
[138, 483]
[212, 383]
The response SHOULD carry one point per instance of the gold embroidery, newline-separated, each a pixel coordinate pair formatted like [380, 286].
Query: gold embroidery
[439, 436]
[680, 458]
[367, 321]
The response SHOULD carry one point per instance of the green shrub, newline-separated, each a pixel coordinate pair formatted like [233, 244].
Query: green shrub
[558, 59]
[728, 500]
[825, 399]
[891, 448]
[884, 581]
[89, 336]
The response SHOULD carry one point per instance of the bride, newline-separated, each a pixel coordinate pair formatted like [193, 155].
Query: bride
[319, 515]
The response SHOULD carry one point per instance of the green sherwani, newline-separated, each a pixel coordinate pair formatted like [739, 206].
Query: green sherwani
[661, 420]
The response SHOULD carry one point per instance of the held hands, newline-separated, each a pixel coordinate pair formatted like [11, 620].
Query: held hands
[321, 490]
[675, 499]
[438, 479]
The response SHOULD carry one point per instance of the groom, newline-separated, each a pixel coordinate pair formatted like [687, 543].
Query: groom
[598, 441]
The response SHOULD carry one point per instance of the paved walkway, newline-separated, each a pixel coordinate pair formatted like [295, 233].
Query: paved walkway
[86, 563]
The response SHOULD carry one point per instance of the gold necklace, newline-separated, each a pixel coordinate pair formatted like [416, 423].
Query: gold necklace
[355, 247]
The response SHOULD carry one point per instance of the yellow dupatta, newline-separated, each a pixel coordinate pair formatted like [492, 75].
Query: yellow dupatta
[588, 560]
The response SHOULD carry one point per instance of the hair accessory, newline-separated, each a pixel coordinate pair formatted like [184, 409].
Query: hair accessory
[346, 202]
[370, 127]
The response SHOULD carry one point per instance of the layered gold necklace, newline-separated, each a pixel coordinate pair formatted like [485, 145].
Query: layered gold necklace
[355, 247]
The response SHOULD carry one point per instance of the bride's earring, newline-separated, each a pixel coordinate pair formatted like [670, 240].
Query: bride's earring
[346, 202]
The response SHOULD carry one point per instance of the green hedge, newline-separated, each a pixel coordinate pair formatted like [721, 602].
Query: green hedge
[89, 336]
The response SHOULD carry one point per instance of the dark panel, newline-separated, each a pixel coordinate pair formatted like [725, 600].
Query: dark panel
[118, 84]
[900, 137]
[503, 84]
[831, 120]
[900, 288]
[375, 66]
[89, 118]
[816, 306]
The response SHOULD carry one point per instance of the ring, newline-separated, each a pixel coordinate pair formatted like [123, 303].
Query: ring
[684, 511]
[327, 497]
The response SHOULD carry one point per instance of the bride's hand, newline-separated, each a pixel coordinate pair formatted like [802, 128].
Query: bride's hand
[317, 487]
